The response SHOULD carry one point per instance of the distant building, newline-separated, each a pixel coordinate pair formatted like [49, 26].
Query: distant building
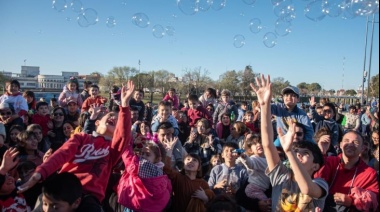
[6, 74]
[30, 71]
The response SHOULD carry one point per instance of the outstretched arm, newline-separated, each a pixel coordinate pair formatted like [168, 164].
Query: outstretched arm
[263, 91]
[302, 177]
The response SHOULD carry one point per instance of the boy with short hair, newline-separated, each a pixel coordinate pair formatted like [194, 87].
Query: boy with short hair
[137, 102]
[226, 106]
[165, 115]
[228, 177]
[295, 188]
[197, 111]
[94, 98]
[91, 157]
[63, 191]
[42, 117]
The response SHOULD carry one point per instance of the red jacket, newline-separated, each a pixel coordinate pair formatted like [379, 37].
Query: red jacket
[91, 158]
[195, 114]
[142, 194]
[42, 121]
[366, 177]
[174, 100]
[90, 101]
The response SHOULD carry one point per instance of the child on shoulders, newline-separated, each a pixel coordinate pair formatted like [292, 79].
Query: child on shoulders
[70, 92]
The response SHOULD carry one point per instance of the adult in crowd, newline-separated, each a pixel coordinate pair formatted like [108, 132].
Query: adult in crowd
[14, 99]
[7, 115]
[352, 120]
[353, 184]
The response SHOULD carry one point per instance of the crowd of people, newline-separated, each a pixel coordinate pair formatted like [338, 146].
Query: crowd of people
[85, 152]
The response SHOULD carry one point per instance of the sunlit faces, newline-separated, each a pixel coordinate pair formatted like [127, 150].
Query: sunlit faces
[94, 92]
[171, 93]
[67, 129]
[375, 138]
[72, 107]
[31, 143]
[49, 204]
[226, 120]
[351, 145]
[193, 104]
[138, 96]
[257, 149]
[165, 134]
[149, 155]
[191, 164]
[144, 128]
[43, 110]
[12, 88]
[249, 118]
[290, 99]
[215, 161]
[107, 125]
[201, 128]
[59, 115]
[225, 98]
[305, 156]
[72, 87]
[164, 111]
[328, 112]
[8, 185]
[5, 114]
[228, 154]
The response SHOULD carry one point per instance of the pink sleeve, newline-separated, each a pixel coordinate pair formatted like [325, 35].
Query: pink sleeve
[62, 99]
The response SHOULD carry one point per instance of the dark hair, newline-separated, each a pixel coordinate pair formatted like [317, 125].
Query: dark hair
[221, 203]
[75, 81]
[231, 145]
[63, 187]
[24, 167]
[195, 156]
[193, 98]
[86, 84]
[16, 127]
[164, 126]
[321, 132]
[82, 118]
[313, 148]
[330, 105]
[15, 82]
[94, 86]
[133, 108]
[172, 89]
[39, 104]
[253, 140]
[23, 136]
[244, 103]
[212, 92]
[212, 106]
[165, 104]
[114, 89]
[30, 94]
[141, 91]
[53, 100]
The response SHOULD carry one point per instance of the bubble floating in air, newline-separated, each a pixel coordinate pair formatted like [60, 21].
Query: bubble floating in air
[169, 30]
[314, 11]
[270, 39]
[76, 6]
[188, 7]
[59, 5]
[255, 25]
[333, 8]
[283, 27]
[140, 20]
[158, 31]
[249, 2]
[88, 17]
[110, 22]
[239, 41]
[204, 5]
[218, 4]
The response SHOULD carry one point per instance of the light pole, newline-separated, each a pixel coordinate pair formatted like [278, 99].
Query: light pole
[370, 56]
[138, 76]
[365, 62]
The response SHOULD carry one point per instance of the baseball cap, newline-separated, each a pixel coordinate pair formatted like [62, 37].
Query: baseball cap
[4, 105]
[290, 89]
[72, 101]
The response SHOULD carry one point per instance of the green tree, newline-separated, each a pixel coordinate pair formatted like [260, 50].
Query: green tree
[122, 74]
[331, 91]
[303, 87]
[278, 84]
[246, 78]
[350, 92]
[374, 86]
[229, 80]
[315, 87]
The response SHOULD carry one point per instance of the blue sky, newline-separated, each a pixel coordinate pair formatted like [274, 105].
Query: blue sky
[312, 52]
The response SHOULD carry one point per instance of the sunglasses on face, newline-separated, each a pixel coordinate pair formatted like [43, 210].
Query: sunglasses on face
[299, 134]
[58, 114]
[6, 113]
[327, 111]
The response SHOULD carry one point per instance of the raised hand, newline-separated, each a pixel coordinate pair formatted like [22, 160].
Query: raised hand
[169, 145]
[200, 194]
[95, 110]
[312, 101]
[9, 161]
[263, 90]
[33, 180]
[324, 143]
[127, 92]
[287, 139]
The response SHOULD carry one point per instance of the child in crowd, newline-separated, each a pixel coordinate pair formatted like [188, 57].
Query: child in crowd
[197, 111]
[191, 192]
[25, 170]
[28, 148]
[144, 134]
[114, 99]
[91, 157]
[70, 93]
[86, 90]
[228, 177]
[183, 127]
[14, 98]
[209, 97]
[62, 192]
[215, 160]
[30, 100]
[254, 161]
[202, 143]
[295, 188]
[238, 131]
[143, 185]
[10, 200]
[137, 102]
[165, 115]
[94, 98]
[323, 139]
[226, 106]
[172, 97]
[13, 133]
[223, 128]
[53, 103]
[250, 123]
[42, 117]
[43, 142]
